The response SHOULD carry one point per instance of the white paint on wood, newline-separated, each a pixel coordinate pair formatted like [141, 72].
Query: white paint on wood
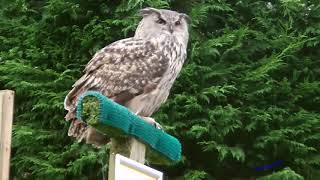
[111, 172]
[6, 117]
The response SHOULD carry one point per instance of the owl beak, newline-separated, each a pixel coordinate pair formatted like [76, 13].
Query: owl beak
[171, 29]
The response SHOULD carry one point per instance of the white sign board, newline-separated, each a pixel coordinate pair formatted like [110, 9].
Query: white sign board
[126, 168]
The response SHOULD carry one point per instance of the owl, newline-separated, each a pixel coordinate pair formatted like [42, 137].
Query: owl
[137, 72]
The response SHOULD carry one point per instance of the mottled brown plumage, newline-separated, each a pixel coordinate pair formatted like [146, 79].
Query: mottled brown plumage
[136, 72]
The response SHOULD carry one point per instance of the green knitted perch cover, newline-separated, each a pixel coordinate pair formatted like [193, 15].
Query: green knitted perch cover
[115, 121]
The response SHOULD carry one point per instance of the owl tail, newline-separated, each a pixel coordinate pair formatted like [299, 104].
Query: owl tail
[81, 131]
[77, 129]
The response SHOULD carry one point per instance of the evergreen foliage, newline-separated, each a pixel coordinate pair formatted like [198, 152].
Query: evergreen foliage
[248, 95]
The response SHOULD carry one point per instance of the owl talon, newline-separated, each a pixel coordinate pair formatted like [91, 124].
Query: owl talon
[152, 122]
[157, 125]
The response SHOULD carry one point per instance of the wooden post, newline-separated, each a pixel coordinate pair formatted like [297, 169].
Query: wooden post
[120, 146]
[6, 117]
[129, 147]
[137, 151]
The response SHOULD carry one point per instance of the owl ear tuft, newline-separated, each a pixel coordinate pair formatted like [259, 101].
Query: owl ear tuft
[149, 10]
[186, 17]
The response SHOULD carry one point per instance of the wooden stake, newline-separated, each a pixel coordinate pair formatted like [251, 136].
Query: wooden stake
[6, 117]
[127, 147]
[137, 151]
[118, 146]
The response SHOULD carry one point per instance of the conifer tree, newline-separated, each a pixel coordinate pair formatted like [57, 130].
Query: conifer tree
[248, 95]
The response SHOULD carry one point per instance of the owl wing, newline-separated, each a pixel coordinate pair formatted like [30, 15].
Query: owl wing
[120, 71]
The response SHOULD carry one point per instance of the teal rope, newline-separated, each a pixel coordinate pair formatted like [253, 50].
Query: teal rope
[119, 117]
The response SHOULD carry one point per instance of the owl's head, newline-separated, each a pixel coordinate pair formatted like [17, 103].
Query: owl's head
[162, 21]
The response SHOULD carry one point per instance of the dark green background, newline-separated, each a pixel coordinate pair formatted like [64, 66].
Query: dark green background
[248, 95]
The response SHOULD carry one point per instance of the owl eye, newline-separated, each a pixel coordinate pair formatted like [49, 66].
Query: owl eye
[177, 23]
[161, 21]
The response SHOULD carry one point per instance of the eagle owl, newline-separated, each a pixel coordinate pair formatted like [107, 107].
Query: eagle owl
[136, 72]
